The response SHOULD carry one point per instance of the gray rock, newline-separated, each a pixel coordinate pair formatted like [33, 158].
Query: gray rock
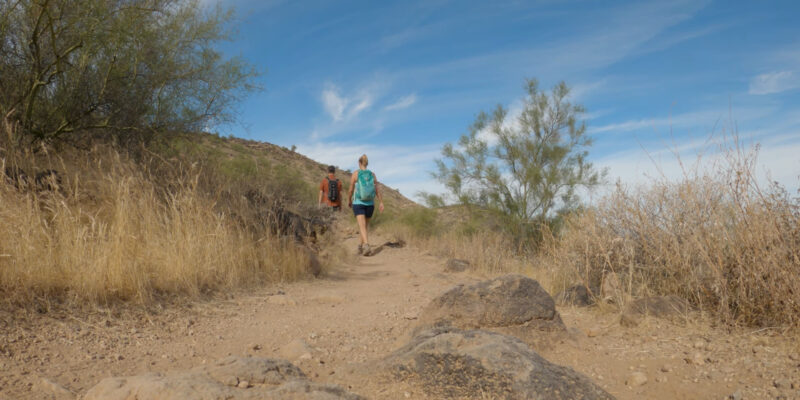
[296, 350]
[456, 265]
[449, 362]
[668, 307]
[55, 390]
[374, 250]
[781, 383]
[636, 379]
[577, 295]
[507, 301]
[232, 378]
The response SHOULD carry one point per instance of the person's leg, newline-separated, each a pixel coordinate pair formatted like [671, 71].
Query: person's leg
[367, 216]
[362, 228]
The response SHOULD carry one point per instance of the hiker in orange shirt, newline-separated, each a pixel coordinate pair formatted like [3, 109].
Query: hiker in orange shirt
[330, 190]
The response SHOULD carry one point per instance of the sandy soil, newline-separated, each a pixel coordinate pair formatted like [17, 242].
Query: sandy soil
[333, 327]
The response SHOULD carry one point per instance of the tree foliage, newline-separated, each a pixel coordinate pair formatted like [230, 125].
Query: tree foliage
[527, 169]
[133, 69]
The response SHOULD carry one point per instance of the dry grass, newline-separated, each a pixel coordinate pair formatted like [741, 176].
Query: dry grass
[111, 233]
[715, 238]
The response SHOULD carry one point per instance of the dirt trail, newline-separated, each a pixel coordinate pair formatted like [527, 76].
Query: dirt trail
[361, 312]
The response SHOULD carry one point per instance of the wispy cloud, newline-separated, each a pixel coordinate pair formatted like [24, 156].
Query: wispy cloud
[705, 118]
[680, 120]
[671, 39]
[404, 102]
[775, 163]
[244, 6]
[342, 108]
[623, 32]
[334, 103]
[580, 91]
[407, 35]
[774, 82]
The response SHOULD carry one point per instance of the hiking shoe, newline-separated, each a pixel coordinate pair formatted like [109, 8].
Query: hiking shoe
[366, 250]
[360, 249]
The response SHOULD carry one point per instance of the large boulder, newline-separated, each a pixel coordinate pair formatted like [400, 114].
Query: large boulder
[449, 362]
[232, 378]
[508, 301]
[667, 307]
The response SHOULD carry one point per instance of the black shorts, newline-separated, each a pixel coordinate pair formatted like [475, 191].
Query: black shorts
[360, 209]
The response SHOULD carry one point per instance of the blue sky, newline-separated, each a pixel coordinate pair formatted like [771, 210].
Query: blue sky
[396, 80]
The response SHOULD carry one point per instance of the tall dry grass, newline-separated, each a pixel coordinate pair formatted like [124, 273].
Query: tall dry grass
[112, 234]
[715, 237]
[488, 253]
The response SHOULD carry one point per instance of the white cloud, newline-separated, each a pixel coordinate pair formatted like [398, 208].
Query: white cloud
[402, 103]
[334, 103]
[362, 105]
[777, 161]
[774, 82]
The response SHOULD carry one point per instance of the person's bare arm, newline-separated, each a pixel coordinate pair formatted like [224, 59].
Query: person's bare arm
[378, 194]
[352, 188]
[320, 197]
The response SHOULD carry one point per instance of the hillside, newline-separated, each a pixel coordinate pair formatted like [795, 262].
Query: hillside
[310, 171]
[185, 217]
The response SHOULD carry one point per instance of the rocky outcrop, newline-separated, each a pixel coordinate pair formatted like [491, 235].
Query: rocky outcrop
[576, 295]
[507, 301]
[232, 378]
[668, 307]
[450, 362]
[394, 244]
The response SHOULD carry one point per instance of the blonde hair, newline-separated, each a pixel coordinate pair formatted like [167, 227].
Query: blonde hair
[363, 160]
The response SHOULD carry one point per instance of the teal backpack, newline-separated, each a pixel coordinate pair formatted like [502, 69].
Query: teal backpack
[365, 187]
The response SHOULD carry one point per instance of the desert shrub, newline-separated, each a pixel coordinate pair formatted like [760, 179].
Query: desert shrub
[715, 237]
[488, 251]
[526, 170]
[421, 221]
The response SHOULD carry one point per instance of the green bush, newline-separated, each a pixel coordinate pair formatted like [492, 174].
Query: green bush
[422, 221]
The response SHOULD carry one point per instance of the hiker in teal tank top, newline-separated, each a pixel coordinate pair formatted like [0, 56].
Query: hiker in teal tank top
[361, 198]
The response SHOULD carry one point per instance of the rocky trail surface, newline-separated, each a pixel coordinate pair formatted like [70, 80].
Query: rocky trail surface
[360, 332]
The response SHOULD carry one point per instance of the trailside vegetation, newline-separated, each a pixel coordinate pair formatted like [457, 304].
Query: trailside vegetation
[130, 70]
[525, 169]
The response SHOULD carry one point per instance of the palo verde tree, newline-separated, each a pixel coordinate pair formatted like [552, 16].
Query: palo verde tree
[525, 169]
[130, 69]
